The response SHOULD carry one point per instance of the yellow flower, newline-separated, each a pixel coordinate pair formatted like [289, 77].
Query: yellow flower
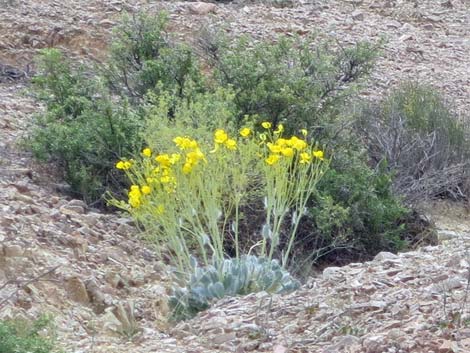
[318, 154]
[245, 132]
[304, 158]
[266, 124]
[187, 168]
[272, 159]
[220, 136]
[124, 165]
[163, 159]
[274, 148]
[304, 132]
[287, 152]
[195, 156]
[165, 179]
[297, 143]
[262, 137]
[185, 142]
[280, 129]
[147, 152]
[281, 142]
[231, 144]
[146, 190]
[134, 196]
[175, 157]
[134, 202]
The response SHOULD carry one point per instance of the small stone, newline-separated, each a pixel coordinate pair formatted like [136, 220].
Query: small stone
[448, 347]
[72, 209]
[331, 272]
[384, 255]
[448, 4]
[113, 278]
[447, 235]
[373, 344]
[357, 15]
[226, 337]
[76, 290]
[13, 251]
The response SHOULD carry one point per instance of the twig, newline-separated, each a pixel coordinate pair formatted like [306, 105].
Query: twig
[22, 283]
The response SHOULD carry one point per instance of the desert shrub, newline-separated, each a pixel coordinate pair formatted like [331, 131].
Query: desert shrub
[94, 116]
[248, 274]
[143, 55]
[423, 143]
[83, 130]
[21, 336]
[188, 198]
[299, 83]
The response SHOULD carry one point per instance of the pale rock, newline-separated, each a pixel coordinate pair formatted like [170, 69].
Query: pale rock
[201, 8]
[448, 347]
[113, 278]
[373, 344]
[384, 255]
[428, 27]
[330, 273]
[406, 37]
[71, 209]
[223, 338]
[343, 343]
[96, 295]
[394, 24]
[357, 15]
[106, 23]
[76, 290]
[110, 322]
[13, 251]
[278, 348]
[447, 235]
[447, 285]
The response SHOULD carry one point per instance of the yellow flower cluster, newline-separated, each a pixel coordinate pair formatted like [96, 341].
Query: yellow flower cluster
[222, 138]
[135, 196]
[194, 154]
[124, 165]
[184, 143]
[161, 172]
[281, 147]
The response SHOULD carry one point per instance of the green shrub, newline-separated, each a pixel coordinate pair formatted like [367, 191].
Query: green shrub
[21, 336]
[83, 130]
[232, 277]
[94, 117]
[296, 82]
[352, 216]
[143, 55]
[425, 145]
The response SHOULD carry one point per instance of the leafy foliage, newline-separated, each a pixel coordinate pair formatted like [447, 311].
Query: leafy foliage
[143, 56]
[20, 336]
[296, 82]
[248, 274]
[83, 131]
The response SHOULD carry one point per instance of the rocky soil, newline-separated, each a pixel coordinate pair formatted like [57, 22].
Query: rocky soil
[103, 285]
